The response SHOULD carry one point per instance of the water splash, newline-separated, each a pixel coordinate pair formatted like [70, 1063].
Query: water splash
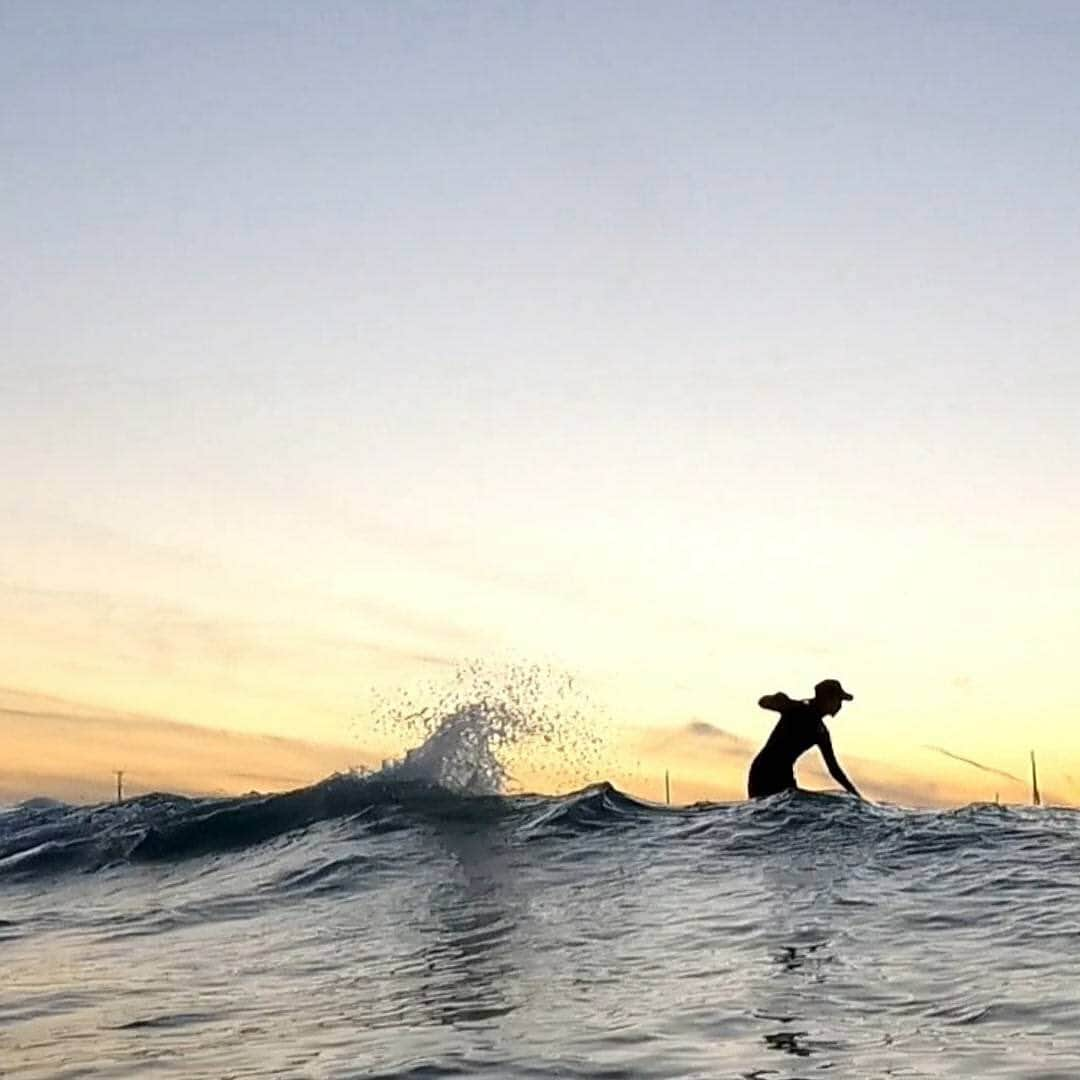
[493, 728]
[461, 754]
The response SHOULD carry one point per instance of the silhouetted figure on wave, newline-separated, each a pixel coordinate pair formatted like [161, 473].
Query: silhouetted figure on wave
[801, 725]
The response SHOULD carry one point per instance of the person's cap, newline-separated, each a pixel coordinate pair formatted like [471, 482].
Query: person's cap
[832, 686]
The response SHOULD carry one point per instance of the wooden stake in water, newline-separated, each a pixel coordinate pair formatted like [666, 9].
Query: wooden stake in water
[667, 786]
[119, 786]
[1036, 799]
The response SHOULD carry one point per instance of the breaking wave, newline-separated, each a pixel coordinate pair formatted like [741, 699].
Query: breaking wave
[42, 842]
[457, 775]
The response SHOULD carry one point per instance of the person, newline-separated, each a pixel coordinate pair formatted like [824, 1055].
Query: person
[801, 725]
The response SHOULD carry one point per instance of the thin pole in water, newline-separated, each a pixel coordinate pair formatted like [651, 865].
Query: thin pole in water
[1035, 797]
[119, 786]
[667, 786]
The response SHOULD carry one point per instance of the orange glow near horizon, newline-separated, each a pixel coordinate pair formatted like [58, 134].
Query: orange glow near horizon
[59, 748]
[292, 647]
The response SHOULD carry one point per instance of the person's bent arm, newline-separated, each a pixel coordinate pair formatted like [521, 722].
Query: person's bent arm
[838, 774]
[775, 702]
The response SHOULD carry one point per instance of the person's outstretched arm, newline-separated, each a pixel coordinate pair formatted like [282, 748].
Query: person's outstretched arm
[841, 777]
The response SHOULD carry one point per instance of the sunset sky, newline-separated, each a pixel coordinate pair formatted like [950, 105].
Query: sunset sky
[698, 350]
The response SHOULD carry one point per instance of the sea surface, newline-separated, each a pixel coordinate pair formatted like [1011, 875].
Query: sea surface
[399, 925]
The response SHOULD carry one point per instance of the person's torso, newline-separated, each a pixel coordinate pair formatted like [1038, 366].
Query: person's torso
[798, 729]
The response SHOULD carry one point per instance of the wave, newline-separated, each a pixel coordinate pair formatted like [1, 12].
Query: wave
[598, 806]
[453, 779]
[163, 828]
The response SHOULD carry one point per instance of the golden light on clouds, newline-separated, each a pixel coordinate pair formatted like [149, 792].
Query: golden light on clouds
[69, 751]
[290, 647]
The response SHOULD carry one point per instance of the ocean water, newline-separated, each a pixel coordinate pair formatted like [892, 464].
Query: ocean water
[415, 923]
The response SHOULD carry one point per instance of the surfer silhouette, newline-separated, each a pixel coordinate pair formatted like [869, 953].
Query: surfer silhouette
[801, 725]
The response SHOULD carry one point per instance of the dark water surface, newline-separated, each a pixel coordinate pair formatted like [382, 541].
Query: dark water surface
[372, 928]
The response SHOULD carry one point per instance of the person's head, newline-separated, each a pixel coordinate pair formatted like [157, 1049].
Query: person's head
[829, 695]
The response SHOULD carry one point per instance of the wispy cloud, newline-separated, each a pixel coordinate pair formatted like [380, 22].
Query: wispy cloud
[974, 764]
[710, 731]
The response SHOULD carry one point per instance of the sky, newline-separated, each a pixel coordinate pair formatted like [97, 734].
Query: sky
[700, 350]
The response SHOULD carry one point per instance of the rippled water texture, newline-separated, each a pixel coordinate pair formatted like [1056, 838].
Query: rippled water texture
[381, 927]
